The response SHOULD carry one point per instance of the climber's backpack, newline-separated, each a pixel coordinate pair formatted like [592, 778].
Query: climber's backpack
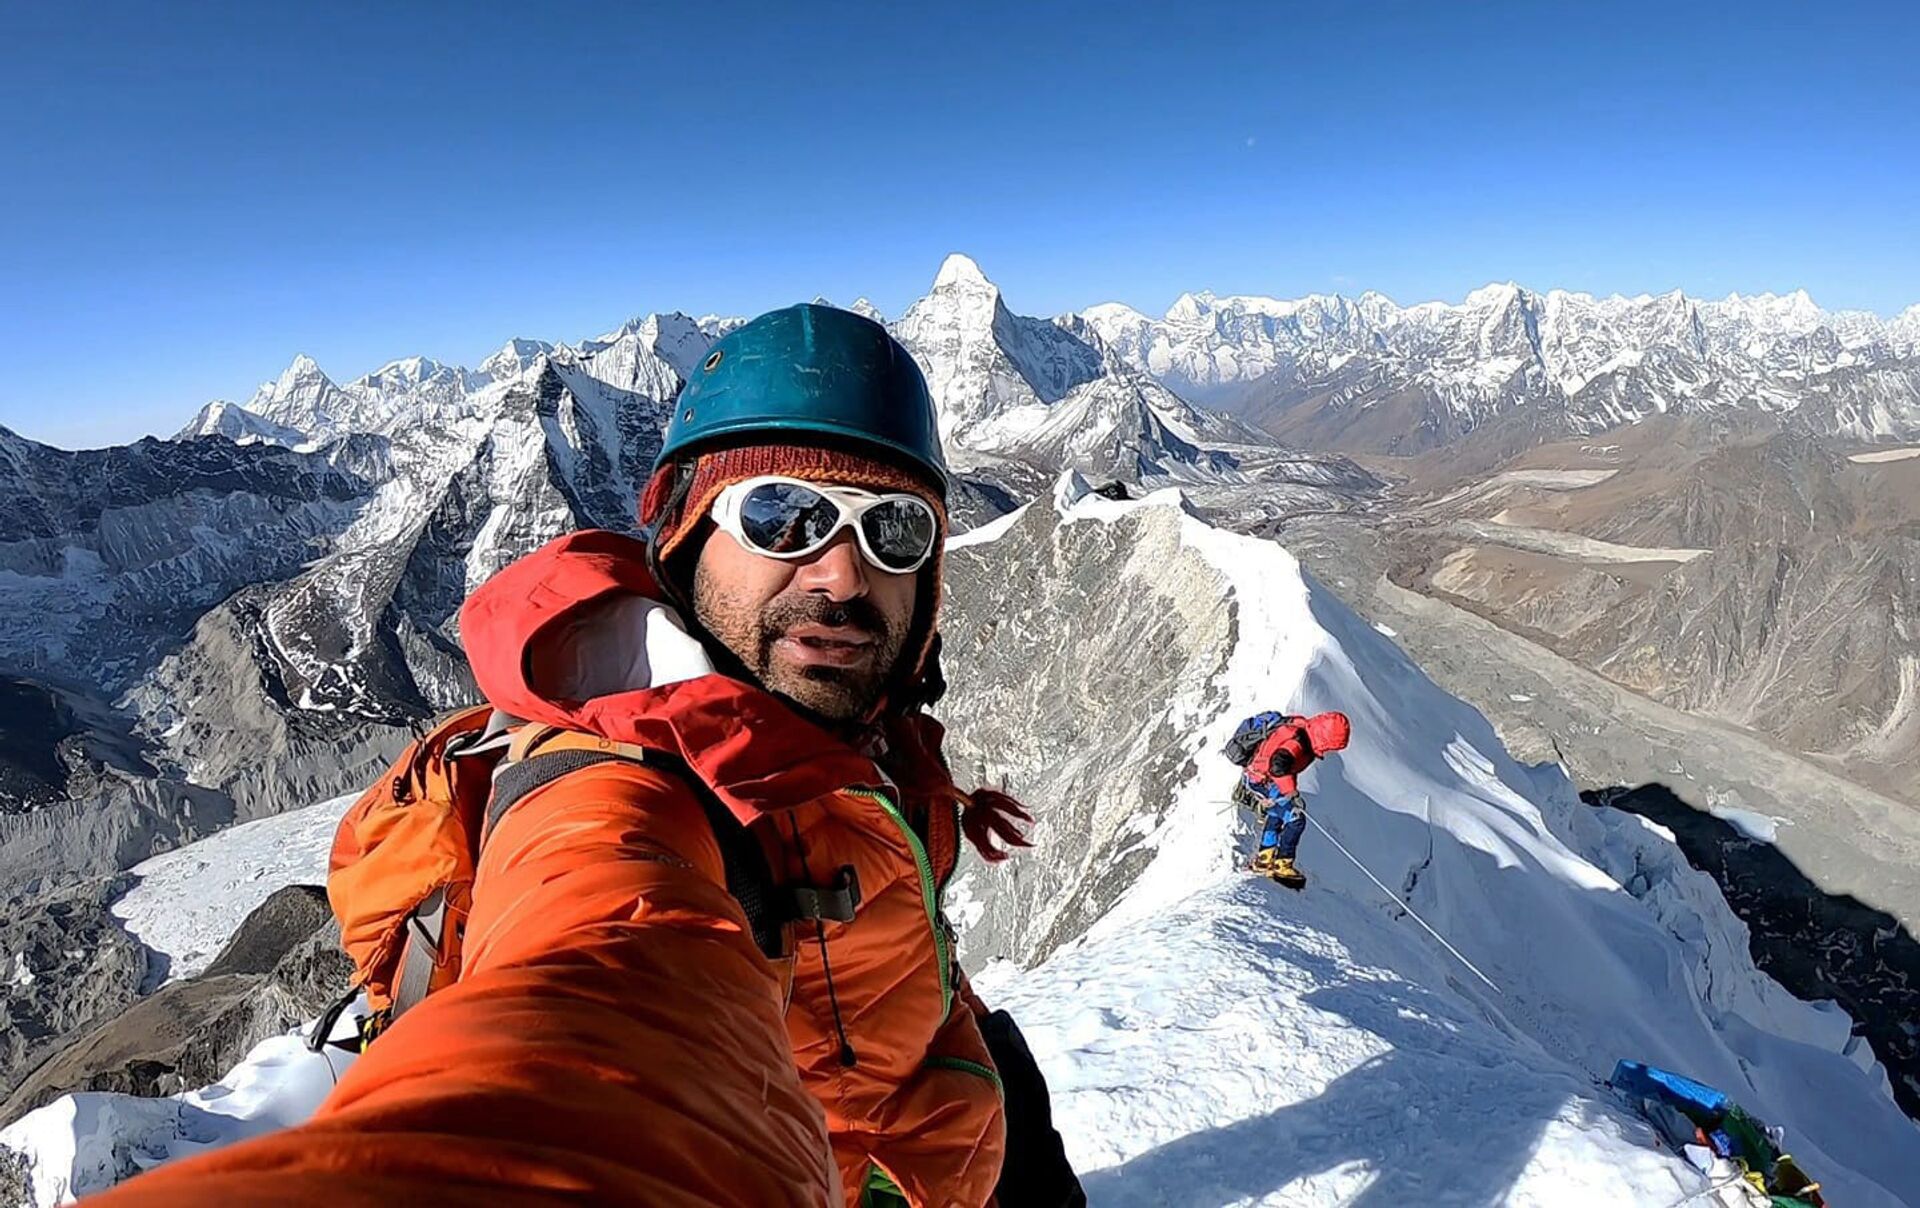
[400, 877]
[1252, 732]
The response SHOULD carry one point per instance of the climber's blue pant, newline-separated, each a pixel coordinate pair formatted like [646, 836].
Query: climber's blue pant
[1286, 821]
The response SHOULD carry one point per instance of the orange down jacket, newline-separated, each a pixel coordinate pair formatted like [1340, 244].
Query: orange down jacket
[616, 1034]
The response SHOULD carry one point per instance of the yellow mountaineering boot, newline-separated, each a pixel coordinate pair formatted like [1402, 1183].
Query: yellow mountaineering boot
[1286, 874]
[1268, 862]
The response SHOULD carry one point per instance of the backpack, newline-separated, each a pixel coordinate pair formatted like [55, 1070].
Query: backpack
[1252, 732]
[400, 874]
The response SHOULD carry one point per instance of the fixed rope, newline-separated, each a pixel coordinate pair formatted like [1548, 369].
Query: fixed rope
[1414, 914]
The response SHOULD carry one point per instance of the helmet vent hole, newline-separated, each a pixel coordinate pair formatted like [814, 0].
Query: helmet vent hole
[713, 361]
[688, 417]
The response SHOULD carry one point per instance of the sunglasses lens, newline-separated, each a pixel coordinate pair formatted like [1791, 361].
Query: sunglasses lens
[786, 518]
[899, 531]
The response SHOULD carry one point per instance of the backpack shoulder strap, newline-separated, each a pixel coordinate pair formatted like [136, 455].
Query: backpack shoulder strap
[420, 956]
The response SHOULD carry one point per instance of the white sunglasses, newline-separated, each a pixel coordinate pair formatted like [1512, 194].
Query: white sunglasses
[788, 518]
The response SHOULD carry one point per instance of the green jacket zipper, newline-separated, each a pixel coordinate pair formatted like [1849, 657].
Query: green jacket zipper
[928, 896]
[959, 845]
[969, 1067]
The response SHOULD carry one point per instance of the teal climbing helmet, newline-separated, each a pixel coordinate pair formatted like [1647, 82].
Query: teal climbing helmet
[809, 369]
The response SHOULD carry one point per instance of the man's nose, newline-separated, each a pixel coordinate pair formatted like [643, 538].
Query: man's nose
[837, 572]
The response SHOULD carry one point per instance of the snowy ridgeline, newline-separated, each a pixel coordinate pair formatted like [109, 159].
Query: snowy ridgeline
[87, 1142]
[1216, 1039]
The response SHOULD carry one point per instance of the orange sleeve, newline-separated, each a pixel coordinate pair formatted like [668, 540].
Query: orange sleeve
[616, 1037]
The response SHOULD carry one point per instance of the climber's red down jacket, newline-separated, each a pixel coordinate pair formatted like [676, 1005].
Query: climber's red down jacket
[616, 1035]
[1292, 746]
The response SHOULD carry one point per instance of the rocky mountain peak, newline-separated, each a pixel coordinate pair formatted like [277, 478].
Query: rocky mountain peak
[300, 382]
[302, 397]
[651, 356]
[1378, 309]
[981, 359]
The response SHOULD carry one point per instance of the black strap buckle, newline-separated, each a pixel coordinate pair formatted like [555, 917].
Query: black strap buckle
[318, 1038]
[834, 903]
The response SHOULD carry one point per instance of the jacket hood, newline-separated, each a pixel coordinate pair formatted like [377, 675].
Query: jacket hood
[1328, 732]
[574, 634]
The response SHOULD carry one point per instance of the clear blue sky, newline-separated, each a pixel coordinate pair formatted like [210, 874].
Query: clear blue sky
[192, 193]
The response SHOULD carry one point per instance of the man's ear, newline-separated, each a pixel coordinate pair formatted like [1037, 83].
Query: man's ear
[659, 514]
[932, 684]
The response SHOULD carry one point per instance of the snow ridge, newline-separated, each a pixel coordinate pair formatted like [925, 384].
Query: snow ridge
[1178, 1066]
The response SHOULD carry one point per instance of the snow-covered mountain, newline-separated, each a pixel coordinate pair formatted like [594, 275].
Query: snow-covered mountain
[1021, 399]
[108, 554]
[266, 619]
[324, 591]
[1366, 373]
[1206, 344]
[241, 426]
[366, 632]
[1209, 1037]
[328, 590]
[982, 360]
[201, 632]
[1122, 425]
[650, 356]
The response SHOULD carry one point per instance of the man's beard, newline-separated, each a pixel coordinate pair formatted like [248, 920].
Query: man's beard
[836, 693]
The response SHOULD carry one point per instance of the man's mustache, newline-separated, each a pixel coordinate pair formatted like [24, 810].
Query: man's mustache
[787, 612]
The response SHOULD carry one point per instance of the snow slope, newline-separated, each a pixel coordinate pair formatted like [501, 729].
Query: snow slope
[1245, 1046]
[83, 1143]
[1215, 1039]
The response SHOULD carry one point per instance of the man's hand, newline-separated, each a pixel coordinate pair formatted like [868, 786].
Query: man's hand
[990, 815]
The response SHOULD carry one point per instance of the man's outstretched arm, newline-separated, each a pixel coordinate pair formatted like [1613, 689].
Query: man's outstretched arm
[616, 1037]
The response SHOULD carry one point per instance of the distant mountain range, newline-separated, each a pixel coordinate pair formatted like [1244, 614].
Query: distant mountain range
[1368, 375]
[292, 565]
[298, 560]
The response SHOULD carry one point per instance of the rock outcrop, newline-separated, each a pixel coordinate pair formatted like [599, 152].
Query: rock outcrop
[282, 967]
